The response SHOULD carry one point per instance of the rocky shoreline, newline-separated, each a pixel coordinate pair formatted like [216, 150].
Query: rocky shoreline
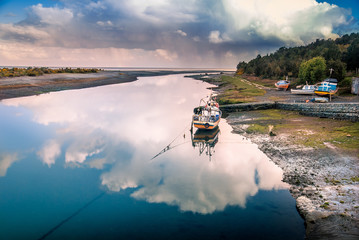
[323, 181]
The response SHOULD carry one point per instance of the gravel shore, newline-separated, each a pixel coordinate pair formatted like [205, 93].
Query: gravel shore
[324, 182]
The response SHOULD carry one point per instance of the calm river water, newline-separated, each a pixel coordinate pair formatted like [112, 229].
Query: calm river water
[87, 164]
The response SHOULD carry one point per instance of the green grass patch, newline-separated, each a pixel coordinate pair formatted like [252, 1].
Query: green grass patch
[346, 137]
[332, 181]
[307, 131]
[325, 205]
[238, 91]
[256, 128]
[277, 114]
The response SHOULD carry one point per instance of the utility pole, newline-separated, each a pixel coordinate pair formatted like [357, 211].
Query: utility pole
[331, 70]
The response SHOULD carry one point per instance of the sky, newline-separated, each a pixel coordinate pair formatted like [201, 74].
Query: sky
[163, 33]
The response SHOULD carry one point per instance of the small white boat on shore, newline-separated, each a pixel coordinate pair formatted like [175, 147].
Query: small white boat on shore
[305, 90]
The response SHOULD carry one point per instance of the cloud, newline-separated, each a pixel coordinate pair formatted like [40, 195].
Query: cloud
[189, 34]
[182, 33]
[10, 32]
[293, 22]
[165, 54]
[103, 24]
[53, 15]
[158, 11]
[96, 5]
[215, 37]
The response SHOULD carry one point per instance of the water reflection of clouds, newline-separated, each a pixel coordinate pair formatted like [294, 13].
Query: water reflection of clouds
[6, 160]
[195, 184]
[124, 125]
[50, 151]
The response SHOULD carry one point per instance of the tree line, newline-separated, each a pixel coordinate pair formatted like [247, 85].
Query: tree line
[341, 55]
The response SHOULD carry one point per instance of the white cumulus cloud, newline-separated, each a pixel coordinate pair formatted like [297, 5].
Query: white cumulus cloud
[294, 22]
[53, 15]
[217, 37]
[182, 33]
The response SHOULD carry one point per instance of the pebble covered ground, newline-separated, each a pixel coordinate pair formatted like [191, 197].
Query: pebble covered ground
[324, 181]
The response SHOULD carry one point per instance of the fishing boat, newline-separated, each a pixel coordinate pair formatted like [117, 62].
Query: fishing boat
[327, 88]
[282, 84]
[207, 115]
[305, 90]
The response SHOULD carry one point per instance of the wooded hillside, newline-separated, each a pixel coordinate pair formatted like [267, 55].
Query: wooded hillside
[341, 54]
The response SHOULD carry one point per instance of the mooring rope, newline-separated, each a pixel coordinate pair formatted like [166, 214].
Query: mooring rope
[168, 147]
[71, 216]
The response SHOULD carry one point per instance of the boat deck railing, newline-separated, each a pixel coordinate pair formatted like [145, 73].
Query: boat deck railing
[203, 118]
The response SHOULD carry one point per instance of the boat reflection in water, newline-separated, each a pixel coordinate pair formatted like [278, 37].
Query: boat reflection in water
[205, 140]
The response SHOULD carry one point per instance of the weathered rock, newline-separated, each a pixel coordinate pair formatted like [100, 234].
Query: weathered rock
[307, 208]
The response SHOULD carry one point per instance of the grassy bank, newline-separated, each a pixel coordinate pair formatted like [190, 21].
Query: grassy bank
[306, 131]
[238, 90]
[18, 72]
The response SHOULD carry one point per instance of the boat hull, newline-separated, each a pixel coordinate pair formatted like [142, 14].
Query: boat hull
[282, 87]
[301, 92]
[325, 93]
[206, 125]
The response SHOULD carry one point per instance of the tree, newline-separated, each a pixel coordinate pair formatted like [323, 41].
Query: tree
[344, 49]
[313, 70]
[352, 56]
